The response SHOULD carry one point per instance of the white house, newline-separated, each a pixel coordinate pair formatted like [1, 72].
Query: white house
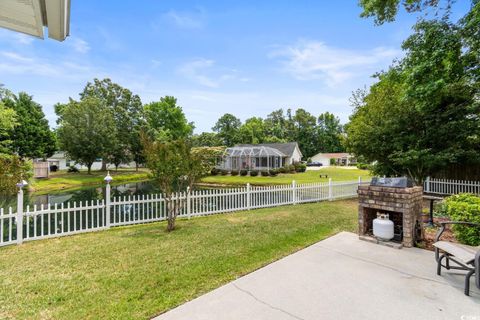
[341, 159]
[62, 162]
[261, 156]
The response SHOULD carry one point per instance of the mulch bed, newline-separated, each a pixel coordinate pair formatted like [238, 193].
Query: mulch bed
[430, 233]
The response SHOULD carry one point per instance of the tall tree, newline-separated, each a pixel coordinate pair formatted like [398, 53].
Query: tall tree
[86, 130]
[31, 137]
[166, 120]
[386, 10]
[276, 126]
[252, 131]
[206, 139]
[127, 111]
[7, 123]
[329, 132]
[423, 114]
[305, 132]
[227, 128]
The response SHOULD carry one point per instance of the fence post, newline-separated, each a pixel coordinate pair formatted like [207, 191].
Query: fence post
[294, 192]
[248, 196]
[107, 179]
[189, 208]
[427, 185]
[330, 191]
[19, 219]
[359, 180]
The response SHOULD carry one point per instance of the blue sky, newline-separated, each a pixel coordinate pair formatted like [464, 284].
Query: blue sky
[243, 57]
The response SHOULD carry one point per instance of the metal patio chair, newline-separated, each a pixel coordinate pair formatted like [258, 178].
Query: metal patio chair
[464, 257]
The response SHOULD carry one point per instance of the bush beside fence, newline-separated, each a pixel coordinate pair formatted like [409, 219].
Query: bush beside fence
[46, 221]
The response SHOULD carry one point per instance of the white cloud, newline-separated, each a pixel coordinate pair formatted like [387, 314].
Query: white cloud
[195, 71]
[206, 73]
[79, 45]
[156, 63]
[187, 20]
[23, 38]
[19, 64]
[311, 60]
[15, 38]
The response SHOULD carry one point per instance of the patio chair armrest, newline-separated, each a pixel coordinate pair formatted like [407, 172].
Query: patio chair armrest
[444, 224]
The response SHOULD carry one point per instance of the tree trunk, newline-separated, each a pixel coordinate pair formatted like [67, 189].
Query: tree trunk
[170, 224]
[136, 166]
[89, 168]
[104, 165]
[171, 214]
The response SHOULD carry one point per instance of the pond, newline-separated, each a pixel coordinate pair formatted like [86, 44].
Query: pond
[84, 194]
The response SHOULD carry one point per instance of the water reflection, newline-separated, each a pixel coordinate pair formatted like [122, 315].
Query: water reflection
[81, 195]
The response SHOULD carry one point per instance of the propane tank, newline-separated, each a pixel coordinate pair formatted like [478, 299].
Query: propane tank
[383, 227]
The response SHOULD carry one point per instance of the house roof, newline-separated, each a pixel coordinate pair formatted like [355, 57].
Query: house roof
[335, 155]
[286, 148]
[253, 151]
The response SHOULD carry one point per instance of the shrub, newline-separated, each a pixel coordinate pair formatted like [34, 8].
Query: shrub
[243, 172]
[12, 170]
[223, 172]
[234, 172]
[265, 173]
[301, 168]
[273, 172]
[465, 207]
[253, 173]
[291, 168]
[362, 166]
[333, 161]
[282, 170]
[309, 160]
[214, 171]
[72, 169]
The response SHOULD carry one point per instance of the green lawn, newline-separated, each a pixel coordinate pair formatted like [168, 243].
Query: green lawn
[140, 271]
[336, 173]
[62, 180]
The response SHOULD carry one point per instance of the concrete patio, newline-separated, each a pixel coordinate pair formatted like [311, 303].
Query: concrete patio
[340, 278]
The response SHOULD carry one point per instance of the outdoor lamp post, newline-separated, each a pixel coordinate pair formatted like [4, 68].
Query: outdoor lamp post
[20, 186]
[107, 180]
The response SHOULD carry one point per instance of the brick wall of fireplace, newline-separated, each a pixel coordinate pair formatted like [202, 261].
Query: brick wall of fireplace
[404, 206]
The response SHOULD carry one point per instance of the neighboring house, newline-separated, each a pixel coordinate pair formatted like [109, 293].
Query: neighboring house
[262, 156]
[62, 162]
[340, 159]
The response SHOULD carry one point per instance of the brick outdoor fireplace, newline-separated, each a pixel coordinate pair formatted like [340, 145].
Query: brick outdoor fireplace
[404, 206]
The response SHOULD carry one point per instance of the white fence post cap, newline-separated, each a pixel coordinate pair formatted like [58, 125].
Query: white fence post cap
[108, 178]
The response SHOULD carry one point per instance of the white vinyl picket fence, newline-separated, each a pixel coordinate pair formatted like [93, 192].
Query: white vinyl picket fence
[448, 187]
[46, 221]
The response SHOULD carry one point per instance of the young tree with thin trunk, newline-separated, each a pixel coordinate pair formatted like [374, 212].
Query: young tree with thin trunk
[175, 166]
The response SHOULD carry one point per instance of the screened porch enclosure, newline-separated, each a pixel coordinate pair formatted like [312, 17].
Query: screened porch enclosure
[252, 158]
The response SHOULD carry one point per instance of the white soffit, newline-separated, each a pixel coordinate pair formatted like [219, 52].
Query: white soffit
[22, 16]
[30, 16]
